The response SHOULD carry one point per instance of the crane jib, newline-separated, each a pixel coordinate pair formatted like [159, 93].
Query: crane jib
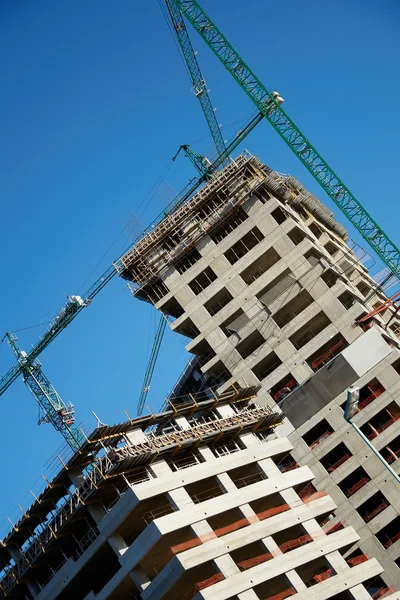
[296, 140]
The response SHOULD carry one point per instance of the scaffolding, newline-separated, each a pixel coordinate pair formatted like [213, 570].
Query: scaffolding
[178, 232]
[111, 455]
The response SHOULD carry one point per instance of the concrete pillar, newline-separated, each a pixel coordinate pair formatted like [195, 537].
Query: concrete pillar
[271, 545]
[183, 423]
[202, 530]
[118, 544]
[313, 529]
[137, 436]
[179, 498]
[207, 454]
[97, 512]
[225, 411]
[248, 512]
[226, 565]
[226, 482]
[76, 477]
[139, 578]
[296, 581]
[249, 439]
[337, 561]
[16, 554]
[160, 468]
[359, 592]
[291, 497]
[268, 467]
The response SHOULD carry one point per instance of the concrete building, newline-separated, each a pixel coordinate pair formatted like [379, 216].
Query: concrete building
[202, 501]
[258, 274]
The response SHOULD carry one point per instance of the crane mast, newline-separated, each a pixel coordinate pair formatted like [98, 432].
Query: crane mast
[292, 135]
[52, 408]
[199, 85]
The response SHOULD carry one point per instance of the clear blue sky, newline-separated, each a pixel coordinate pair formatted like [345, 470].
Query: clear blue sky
[95, 101]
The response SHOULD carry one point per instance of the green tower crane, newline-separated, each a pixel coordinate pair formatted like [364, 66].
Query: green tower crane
[292, 135]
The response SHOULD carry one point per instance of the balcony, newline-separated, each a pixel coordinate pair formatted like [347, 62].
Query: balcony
[203, 490]
[246, 475]
[317, 434]
[315, 571]
[377, 588]
[390, 534]
[369, 392]
[266, 366]
[283, 388]
[372, 507]
[327, 352]
[336, 457]
[275, 589]
[392, 451]
[354, 482]
[218, 302]
[381, 421]
[310, 330]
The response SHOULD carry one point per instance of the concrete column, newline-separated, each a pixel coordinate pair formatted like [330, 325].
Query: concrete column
[226, 482]
[139, 578]
[359, 592]
[271, 545]
[249, 439]
[160, 468]
[97, 512]
[118, 544]
[337, 561]
[183, 423]
[137, 436]
[291, 497]
[268, 467]
[179, 498]
[203, 530]
[207, 454]
[313, 529]
[76, 477]
[296, 581]
[225, 411]
[16, 554]
[248, 512]
[226, 565]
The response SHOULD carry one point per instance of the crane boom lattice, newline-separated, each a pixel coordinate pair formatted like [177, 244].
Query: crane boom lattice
[292, 135]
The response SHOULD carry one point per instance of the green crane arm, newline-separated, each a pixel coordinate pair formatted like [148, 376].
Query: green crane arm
[199, 85]
[73, 307]
[296, 140]
[200, 163]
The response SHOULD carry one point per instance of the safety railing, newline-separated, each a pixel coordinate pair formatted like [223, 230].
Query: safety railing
[282, 595]
[339, 462]
[357, 560]
[202, 585]
[383, 592]
[328, 355]
[357, 486]
[376, 511]
[252, 562]
[295, 543]
[321, 438]
[320, 577]
[102, 467]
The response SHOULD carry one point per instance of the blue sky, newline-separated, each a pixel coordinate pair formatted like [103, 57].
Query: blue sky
[95, 102]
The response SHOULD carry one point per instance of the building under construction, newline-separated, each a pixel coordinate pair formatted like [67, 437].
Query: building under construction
[202, 501]
[249, 484]
[256, 271]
